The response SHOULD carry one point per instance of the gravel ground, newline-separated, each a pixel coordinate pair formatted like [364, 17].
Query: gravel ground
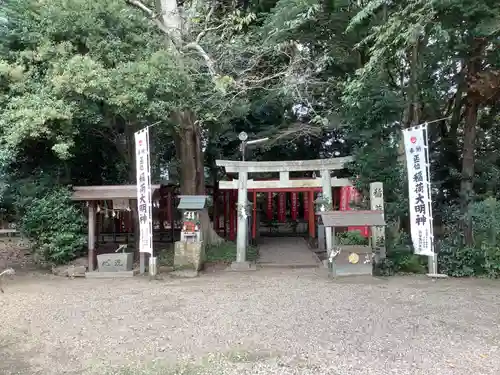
[266, 322]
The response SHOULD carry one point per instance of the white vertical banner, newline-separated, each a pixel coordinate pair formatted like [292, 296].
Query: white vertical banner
[144, 206]
[419, 186]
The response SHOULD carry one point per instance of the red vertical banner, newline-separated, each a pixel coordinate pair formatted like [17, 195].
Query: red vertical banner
[270, 206]
[305, 201]
[345, 193]
[282, 207]
[294, 206]
[350, 194]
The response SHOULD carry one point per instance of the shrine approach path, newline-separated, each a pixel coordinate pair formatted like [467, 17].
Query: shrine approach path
[271, 321]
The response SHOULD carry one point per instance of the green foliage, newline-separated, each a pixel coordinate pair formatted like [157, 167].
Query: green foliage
[483, 259]
[400, 257]
[55, 226]
[226, 253]
[351, 238]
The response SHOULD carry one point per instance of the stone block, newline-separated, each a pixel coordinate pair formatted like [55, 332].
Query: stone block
[242, 266]
[189, 255]
[77, 271]
[109, 275]
[321, 237]
[115, 262]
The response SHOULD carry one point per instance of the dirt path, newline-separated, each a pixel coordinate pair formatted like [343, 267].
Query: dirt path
[267, 322]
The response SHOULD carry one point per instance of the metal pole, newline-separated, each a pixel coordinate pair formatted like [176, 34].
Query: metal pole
[432, 262]
[243, 145]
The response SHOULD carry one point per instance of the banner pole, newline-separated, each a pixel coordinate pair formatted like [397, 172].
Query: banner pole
[432, 259]
[152, 259]
[417, 151]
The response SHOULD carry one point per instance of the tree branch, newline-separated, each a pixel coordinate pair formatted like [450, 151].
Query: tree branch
[203, 54]
[153, 16]
[207, 20]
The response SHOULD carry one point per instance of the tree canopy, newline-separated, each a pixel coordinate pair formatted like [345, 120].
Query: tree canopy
[320, 78]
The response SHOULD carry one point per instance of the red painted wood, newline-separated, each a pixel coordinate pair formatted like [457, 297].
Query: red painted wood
[294, 198]
[285, 190]
[269, 202]
[282, 207]
[310, 212]
[350, 194]
[306, 205]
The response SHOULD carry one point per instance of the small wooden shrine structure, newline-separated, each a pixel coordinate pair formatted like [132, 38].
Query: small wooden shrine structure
[351, 259]
[116, 201]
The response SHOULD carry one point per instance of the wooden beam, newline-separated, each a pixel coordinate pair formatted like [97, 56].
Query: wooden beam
[288, 185]
[91, 234]
[352, 218]
[106, 192]
[233, 166]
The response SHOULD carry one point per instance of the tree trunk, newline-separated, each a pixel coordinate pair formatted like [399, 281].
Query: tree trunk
[189, 151]
[129, 155]
[468, 161]
[467, 183]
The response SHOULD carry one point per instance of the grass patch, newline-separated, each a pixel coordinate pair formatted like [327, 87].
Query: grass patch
[166, 256]
[226, 252]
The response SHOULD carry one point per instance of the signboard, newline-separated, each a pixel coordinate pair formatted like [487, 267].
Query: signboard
[144, 206]
[121, 204]
[377, 204]
[417, 162]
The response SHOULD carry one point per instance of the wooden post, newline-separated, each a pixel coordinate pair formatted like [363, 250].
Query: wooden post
[91, 234]
[215, 199]
[312, 224]
[254, 217]
[224, 212]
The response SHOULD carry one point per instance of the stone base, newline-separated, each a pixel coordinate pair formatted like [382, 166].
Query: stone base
[242, 266]
[359, 269]
[189, 255]
[188, 274]
[109, 275]
[437, 275]
[288, 265]
[115, 262]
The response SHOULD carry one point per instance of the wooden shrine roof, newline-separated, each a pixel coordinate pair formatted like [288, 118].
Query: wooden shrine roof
[105, 192]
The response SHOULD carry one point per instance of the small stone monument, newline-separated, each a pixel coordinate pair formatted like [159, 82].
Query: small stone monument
[189, 251]
[117, 264]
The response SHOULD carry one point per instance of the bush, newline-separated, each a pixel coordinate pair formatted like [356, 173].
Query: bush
[55, 226]
[400, 257]
[482, 259]
[351, 238]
